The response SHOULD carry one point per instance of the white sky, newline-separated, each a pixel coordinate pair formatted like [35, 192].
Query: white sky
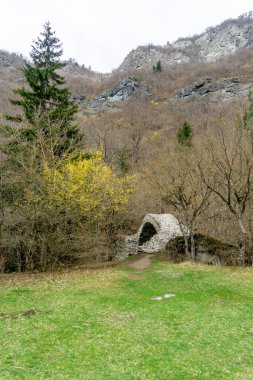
[100, 33]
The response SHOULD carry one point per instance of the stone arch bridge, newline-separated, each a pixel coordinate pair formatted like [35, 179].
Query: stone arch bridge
[152, 236]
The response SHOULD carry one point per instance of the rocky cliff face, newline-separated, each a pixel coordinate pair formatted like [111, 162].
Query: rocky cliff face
[219, 89]
[217, 42]
[120, 92]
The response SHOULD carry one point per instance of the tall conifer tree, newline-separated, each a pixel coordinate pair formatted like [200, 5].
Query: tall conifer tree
[46, 104]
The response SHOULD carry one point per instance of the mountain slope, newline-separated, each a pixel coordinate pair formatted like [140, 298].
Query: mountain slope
[215, 43]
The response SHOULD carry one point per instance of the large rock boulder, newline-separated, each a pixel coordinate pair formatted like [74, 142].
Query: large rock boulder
[208, 250]
[152, 236]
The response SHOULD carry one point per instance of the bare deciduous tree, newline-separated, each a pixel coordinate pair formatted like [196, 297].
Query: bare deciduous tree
[227, 172]
[185, 194]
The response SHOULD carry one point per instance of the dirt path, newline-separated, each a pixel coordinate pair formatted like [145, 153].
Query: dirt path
[142, 263]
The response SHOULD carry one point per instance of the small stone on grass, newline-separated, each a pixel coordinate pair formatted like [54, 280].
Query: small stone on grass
[157, 298]
[160, 298]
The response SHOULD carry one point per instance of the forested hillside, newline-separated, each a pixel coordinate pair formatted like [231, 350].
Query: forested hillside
[154, 138]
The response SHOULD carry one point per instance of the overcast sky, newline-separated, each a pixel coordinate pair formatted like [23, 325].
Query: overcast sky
[100, 33]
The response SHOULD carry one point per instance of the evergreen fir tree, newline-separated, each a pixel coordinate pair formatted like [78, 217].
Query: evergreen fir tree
[184, 135]
[157, 67]
[46, 104]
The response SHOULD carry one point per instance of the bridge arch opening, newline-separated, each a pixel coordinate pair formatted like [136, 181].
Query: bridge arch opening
[148, 231]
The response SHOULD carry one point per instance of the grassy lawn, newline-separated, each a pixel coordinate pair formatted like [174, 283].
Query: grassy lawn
[103, 324]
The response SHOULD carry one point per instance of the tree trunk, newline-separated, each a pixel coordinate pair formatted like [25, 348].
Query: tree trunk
[193, 249]
[3, 259]
[186, 238]
[242, 245]
[19, 261]
[43, 254]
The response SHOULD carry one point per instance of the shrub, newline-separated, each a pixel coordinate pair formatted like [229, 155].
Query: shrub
[184, 135]
[157, 68]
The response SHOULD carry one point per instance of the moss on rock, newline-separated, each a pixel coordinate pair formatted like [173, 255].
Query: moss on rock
[208, 250]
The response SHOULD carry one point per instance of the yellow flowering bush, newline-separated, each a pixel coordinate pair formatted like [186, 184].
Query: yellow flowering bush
[88, 187]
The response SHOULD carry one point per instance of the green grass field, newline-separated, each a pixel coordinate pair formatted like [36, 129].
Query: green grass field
[103, 324]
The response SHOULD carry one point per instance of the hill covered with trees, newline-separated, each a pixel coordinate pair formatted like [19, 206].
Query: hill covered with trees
[151, 151]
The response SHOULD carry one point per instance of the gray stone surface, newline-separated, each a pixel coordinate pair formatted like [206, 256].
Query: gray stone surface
[145, 57]
[152, 236]
[208, 250]
[207, 258]
[118, 93]
[222, 89]
[157, 298]
[160, 298]
[224, 40]
[216, 42]
[78, 98]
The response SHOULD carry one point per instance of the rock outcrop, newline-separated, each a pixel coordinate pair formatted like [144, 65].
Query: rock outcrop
[78, 98]
[208, 251]
[144, 57]
[221, 89]
[225, 39]
[210, 46]
[119, 92]
[152, 236]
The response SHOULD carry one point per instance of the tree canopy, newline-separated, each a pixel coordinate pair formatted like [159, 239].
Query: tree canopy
[46, 106]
